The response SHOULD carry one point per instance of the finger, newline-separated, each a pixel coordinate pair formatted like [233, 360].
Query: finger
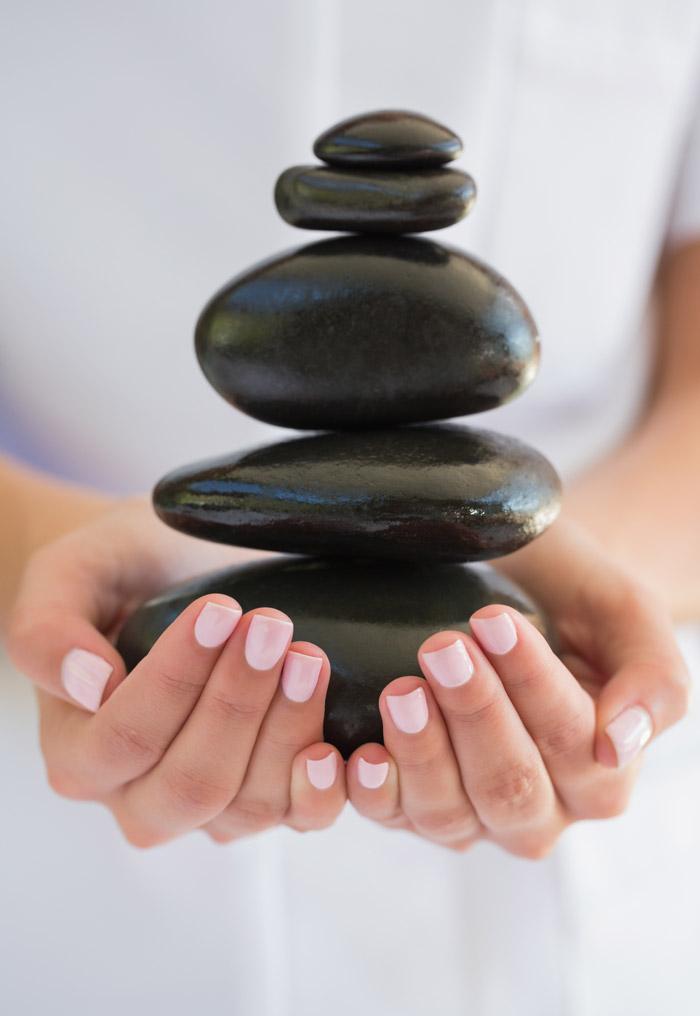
[502, 770]
[317, 794]
[373, 785]
[55, 630]
[558, 713]
[293, 721]
[206, 763]
[649, 687]
[132, 730]
[431, 793]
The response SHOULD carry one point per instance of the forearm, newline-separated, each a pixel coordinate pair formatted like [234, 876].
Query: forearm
[35, 509]
[642, 504]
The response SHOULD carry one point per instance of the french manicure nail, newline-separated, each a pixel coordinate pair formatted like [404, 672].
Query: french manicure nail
[496, 634]
[409, 712]
[321, 772]
[450, 666]
[215, 623]
[300, 676]
[84, 675]
[629, 732]
[372, 774]
[266, 641]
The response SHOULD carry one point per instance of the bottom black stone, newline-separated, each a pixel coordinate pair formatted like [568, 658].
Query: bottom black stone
[370, 617]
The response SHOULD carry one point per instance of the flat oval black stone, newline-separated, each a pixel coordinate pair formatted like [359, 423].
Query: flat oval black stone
[369, 617]
[388, 138]
[316, 197]
[360, 331]
[441, 493]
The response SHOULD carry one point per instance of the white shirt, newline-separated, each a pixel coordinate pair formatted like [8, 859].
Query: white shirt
[141, 143]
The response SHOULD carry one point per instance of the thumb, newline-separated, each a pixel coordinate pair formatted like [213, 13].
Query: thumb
[68, 597]
[650, 685]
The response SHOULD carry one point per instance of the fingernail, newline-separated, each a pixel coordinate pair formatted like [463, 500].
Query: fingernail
[450, 666]
[266, 641]
[215, 623]
[496, 634]
[372, 774]
[300, 676]
[629, 732]
[321, 772]
[409, 712]
[84, 675]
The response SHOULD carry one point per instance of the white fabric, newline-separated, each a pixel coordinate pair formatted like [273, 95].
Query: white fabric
[140, 147]
[684, 226]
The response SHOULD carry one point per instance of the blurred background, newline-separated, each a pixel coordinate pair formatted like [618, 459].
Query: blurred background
[142, 143]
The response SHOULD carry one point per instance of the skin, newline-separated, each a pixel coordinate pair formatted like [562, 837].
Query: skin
[514, 755]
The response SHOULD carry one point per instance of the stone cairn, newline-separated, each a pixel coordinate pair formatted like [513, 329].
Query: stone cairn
[365, 338]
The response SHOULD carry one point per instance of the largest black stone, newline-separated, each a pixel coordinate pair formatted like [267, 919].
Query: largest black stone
[369, 617]
[362, 331]
[438, 493]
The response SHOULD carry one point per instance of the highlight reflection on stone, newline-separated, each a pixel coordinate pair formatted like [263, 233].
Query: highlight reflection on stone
[316, 197]
[360, 331]
[439, 493]
[386, 139]
[369, 617]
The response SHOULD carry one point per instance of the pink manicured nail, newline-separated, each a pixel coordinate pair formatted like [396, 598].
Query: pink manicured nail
[84, 675]
[629, 732]
[496, 634]
[300, 676]
[266, 641]
[409, 712]
[215, 623]
[450, 666]
[321, 772]
[372, 774]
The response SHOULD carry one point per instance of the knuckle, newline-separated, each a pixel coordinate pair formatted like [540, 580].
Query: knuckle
[396, 821]
[513, 791]
[420, 759]
[566, 736]
[469, 715]
[193, 792]
[120, 740]
[446, 824]
[526, 678]
[281, 744]
[177, 686]
[256, 814]
[236, 711]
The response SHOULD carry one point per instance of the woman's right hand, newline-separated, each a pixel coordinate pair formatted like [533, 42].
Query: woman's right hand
[219, 727]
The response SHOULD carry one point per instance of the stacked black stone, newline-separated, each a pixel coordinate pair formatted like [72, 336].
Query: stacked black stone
[362, 335]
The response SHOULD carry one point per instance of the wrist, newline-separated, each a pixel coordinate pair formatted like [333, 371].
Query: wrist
[37, 509]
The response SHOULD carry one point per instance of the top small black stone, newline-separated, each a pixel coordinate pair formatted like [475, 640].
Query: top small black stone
[388, 139]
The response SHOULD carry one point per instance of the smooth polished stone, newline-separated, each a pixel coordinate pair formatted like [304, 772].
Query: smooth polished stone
[369, 617]
[360, 331]
[388, 138]
[366, 201]
[437, 493]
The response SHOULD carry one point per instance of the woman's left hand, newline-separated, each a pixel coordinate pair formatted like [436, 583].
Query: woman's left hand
[507, 741]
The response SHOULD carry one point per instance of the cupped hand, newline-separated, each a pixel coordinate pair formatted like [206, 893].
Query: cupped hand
[507, 741]
[219, 727]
